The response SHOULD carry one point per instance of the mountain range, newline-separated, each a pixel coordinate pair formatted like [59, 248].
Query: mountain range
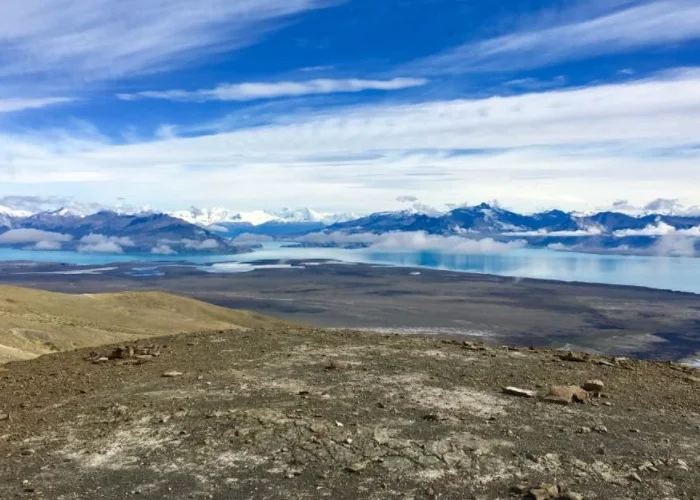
[109, 232]
[214, 216]
[214, 230]
[557, 229]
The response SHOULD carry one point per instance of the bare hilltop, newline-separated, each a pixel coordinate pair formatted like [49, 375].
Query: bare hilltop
[285, 412]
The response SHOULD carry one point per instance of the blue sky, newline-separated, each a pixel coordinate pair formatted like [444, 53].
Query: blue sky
[347, 105]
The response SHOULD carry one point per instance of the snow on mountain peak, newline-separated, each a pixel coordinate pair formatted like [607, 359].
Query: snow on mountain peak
[11, 212]
[214, 216]
[299, 215]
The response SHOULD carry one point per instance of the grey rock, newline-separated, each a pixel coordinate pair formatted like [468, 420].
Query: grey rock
[634, 477]
[515, 391]
[570, 495]
[593, 385]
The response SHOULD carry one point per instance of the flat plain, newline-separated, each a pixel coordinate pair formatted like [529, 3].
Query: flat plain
[618, 320]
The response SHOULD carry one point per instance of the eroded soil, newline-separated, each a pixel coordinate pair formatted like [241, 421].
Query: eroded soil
[293, 413]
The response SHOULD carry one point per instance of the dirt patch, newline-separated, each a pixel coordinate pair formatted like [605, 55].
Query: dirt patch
[299, 413]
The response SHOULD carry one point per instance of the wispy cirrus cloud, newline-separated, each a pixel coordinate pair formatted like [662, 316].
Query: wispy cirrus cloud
[638, 25]
[94, 40]
[270, 90]
[18, 104]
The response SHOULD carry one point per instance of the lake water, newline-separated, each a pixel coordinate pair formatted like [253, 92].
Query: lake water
[671, 273]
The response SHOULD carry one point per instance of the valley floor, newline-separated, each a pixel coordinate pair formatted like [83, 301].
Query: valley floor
[609, 319]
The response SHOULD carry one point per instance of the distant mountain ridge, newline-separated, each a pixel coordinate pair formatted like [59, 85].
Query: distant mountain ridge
[212, 230]
[492, 219]
[553, 228]
[110, 232]
[215, 216]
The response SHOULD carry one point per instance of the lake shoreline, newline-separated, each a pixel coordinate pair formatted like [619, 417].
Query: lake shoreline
[662, 273]
[611, 319]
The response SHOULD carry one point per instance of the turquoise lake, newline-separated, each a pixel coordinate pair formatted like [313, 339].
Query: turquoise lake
[670, 273]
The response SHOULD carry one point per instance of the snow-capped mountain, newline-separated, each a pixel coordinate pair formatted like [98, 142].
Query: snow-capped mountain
[13, 213]
[111, 232]
[219, 216]
[301, 215]
[553, 228]
[487, 219]
[214, 216]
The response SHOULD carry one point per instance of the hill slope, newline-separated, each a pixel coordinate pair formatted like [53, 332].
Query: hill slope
[34, 322]
[293, 413]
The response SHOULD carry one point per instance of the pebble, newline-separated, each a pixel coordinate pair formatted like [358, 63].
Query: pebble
[568, 393]
[603, 362]
[570, 356]
[601, 429]
[647, 466]
[4, 416]
[515, 391]
[593, 385]
[357, 467]
[634, 477]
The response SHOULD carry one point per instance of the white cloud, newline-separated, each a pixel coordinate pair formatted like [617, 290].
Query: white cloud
[99, 243]
[93, 238]
[209, 244]
[16, 236]
[48, 245]
[104, 247]
[454, 244]
[163, 249]
[339, 238]
[407, 199]
[663, 22]
[572, 148]
[593, 231]
[260, 90]
[559, 247]
[416, 240]
[30, 204]
[105, 39]
[11, 105]
[248, 238]
[658, 229]
[676, 245]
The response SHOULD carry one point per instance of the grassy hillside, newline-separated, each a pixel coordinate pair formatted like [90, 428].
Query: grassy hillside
[34, 322]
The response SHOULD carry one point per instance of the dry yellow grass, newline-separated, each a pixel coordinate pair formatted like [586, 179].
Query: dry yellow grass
[35, 322]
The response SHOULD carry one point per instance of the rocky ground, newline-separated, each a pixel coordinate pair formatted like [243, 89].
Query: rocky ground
[291, 413]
